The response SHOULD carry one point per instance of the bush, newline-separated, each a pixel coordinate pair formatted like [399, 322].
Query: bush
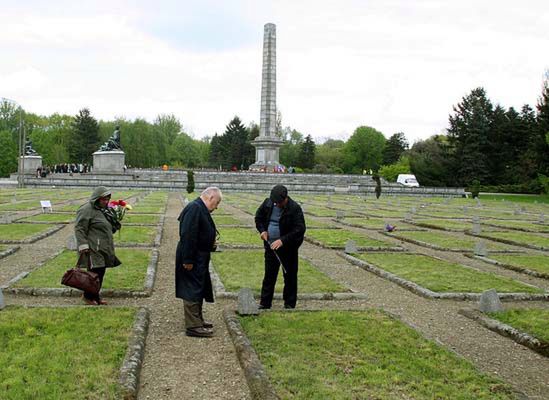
[190, 181]
[535, 186]
[475, 188]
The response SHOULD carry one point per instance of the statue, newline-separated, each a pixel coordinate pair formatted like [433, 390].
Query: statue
[29, 151]
[113, 143]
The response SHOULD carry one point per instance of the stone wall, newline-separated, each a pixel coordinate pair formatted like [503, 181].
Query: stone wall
[237, 182]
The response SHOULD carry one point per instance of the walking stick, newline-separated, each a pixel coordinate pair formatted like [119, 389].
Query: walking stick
[277, 257]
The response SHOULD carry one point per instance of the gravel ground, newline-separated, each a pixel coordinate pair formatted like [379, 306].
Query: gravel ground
[178, 367]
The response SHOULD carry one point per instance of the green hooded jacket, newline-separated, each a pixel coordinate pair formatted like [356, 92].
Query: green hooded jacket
[94, 232]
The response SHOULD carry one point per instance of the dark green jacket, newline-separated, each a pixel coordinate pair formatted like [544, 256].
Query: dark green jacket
[93, 231]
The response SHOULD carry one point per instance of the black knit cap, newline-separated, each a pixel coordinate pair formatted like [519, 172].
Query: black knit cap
[279, 193]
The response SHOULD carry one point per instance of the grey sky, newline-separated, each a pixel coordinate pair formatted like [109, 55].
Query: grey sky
[393, 65]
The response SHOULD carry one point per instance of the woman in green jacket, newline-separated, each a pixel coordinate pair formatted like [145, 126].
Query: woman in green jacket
[94, 235]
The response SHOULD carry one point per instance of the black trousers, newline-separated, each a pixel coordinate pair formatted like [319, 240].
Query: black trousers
[101, 273]
[289, 258]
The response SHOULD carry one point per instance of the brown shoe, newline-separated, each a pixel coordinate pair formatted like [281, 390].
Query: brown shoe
[90, 302]
[199, 332]
[102, 302]
[207, 324]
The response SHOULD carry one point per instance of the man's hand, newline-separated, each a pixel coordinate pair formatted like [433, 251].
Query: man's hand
[264, 236]
[188, 267]
[84, 251]
[277, 244]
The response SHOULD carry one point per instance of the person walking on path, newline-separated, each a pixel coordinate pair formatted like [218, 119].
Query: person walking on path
[94, 236]
[281, 225]
[197, 239]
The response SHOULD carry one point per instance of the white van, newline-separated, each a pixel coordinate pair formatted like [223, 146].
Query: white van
[407, 180]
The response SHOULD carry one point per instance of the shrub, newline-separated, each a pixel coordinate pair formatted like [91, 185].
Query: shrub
[190, 181]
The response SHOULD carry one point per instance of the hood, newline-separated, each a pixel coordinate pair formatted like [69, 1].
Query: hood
[100, 191]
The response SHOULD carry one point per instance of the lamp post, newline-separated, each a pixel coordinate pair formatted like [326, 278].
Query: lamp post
[21, 156]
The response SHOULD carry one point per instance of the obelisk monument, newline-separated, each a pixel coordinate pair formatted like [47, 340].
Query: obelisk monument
[267, 144]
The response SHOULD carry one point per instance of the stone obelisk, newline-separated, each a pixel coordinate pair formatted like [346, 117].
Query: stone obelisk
[267, 144]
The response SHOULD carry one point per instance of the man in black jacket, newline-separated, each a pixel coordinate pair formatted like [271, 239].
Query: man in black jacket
[281, 225]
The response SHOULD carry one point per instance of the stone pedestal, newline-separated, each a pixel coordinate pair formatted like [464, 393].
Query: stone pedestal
[266, 154]
[111, 162]
[31, 164]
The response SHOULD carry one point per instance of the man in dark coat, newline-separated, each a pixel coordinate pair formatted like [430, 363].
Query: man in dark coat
[281, 225]
[197, 235]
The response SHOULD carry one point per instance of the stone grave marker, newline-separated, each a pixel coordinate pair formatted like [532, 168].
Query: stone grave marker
[340, 215]
[480, 249]
[517, 211]
[2, 304]
[5, 219]
[489, 301]
[479, 204]
[14, 199]
[541, 219]
[246, 302]
[465, 209]
[71, 243]
[408, 217]
[413, 210]
[350, 247]
[476, 228]
[447, 200]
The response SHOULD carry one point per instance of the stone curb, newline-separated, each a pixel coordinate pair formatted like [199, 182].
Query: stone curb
[256, 376]
[9, 251]
[430, 226]
[320, 244]
[20, 221]
[518, 229]
[222, 293]
[35, 238]
[420, 290]
[510, 266]
[71, 292]
[533, 343]
[131, 367]
[511, 242]
[435, 247]
[342, 222]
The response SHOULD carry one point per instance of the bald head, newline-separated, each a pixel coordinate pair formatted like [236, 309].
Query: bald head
[211, 196]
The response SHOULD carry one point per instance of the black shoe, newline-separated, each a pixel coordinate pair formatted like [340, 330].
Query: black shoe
[262, 307]
[199, 332]
[288, 306]
[207, 324]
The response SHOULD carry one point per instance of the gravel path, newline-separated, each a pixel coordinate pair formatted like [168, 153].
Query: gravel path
[179, 367]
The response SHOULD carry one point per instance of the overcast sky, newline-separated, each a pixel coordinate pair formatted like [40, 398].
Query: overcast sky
[395, 65]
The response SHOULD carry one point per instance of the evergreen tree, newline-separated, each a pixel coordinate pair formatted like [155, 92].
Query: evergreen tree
[236, 139]
[469, 133]
[306, 156]
[395, 146]
[542, 118]
[85, 137]
[217, 152]
[8, 154]
[430, 161]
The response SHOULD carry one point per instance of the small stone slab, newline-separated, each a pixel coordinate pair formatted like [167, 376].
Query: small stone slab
[489, 302]
[71, 243]
[350, 247]
[246, 302]
[2, 304]
[476, 229]
[480, 249]
[340, 215]
[541, 219]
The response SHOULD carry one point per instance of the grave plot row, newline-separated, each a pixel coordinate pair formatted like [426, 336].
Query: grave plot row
[377, 224]
[345, 354]
[26, 233]
[89, 353]
[524, 239]
[134, 278]
[336, 239]
[433, 277]
[532, 264]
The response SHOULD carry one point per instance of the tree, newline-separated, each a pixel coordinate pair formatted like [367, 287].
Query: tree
[363, 150]
[290, 148]
[85, 137]
[542, 118]
[166, 127]
[330, 154]
[469, 134]
[8, 153]
[391, 172]
[395, 146]
[51, 137]
[10, 115]
[306, 156]
[430, 161]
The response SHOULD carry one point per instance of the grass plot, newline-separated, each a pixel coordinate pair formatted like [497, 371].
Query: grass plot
[36, 363]
[338, 237]
[361, 355]
[51, 217]
[532, 321]
[22, 231]
[135, 234]
[447, 240]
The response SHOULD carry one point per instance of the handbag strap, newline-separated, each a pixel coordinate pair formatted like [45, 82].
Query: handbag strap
[81, 256]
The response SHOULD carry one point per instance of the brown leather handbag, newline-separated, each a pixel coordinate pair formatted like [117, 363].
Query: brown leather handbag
[83, 279]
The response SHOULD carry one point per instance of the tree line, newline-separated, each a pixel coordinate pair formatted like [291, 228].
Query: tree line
[501, 148]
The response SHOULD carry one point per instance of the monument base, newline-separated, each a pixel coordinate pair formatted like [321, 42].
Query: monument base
[267, 154]
[109, 162]
[31, 164]
[267, 167]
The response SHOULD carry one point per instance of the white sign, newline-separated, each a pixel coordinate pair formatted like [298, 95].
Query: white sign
[46, 205]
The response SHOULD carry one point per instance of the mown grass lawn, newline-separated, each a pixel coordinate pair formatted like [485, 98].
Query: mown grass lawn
[20, 205]
[341, 355]
[62, 353]
[448, 240]
[322, 212]
[130, 218]
[445, 224]
[147, 208]
[522, 238]
[371, 223]
[532, 321]
[539, 263]
[315, 223]
[524, 198]
[135, 234]
[128, 276]
[529, 225]
[240, 269]
[338, 238]
[239, 236]
[22, 231]
[69, 208]
[50, 217]
[226, 220]
[443, 276]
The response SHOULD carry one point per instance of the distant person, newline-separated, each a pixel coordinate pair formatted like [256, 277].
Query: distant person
[281, 225]
[94, 236]
[197, 239]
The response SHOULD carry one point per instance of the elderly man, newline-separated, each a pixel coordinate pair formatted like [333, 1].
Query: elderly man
[281, 225]
[197, 236]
